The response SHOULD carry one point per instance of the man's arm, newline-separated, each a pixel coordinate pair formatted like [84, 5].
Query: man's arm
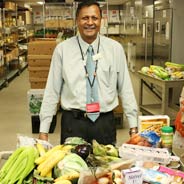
[126, 93]
[51, 94]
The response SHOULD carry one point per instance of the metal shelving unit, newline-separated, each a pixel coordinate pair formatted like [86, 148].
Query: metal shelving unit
[10, 46]
[59, 17]
[12, 35]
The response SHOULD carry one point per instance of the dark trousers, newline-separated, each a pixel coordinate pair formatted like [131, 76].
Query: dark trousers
[76, 124]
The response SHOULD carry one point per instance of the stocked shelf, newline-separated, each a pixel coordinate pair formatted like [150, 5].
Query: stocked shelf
[16, 31]
[12, 74]
[2, 83]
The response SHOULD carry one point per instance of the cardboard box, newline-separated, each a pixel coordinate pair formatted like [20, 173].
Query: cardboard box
[153, 123]
[38, 72]
[39, 60]
[10, 6]
[52, 23]
[2, 71]
[41, 47]
[38, 85]
[28, 17]
[66, 23]
[14, 64]
[119, 108]
[34, 79]
[15, 52]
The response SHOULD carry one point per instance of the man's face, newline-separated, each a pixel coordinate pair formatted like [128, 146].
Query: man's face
[88, 22]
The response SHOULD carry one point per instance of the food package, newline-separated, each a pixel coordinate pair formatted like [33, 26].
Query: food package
[153, 123]
[137, 152]
[182, 105]
[35, 97]
[179, 121]
[133, 175]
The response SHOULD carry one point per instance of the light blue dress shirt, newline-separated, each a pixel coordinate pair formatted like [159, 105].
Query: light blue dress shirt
[67, 80]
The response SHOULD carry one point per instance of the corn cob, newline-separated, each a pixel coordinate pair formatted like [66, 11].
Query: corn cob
[41, 159]
[180, 67]
[8, 164]
[45, 167]
[40, 149]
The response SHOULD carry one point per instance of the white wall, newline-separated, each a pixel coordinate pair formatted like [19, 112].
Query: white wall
[178, 32]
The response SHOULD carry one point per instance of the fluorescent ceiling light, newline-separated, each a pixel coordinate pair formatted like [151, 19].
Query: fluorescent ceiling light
[40, 2]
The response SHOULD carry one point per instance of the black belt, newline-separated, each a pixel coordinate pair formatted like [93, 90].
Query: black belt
[81, 114]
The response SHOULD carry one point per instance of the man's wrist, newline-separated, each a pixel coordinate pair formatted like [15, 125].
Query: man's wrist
[133, 130]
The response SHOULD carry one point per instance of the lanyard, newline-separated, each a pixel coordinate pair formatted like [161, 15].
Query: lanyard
[87, 75]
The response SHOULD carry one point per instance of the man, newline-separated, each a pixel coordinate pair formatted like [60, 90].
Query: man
[83, 97]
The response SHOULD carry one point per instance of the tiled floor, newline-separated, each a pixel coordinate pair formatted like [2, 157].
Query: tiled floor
[15, 118]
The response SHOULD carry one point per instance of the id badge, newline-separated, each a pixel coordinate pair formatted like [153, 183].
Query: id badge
[93, 107]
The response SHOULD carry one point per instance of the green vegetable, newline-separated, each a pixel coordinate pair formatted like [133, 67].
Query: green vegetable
[8, 164]
[22, 163]
[75, 141]
[145, 69]
[174, 65]
[70, 163]
[35, 104]
[98, 149]
[111, 150]
[159, 71]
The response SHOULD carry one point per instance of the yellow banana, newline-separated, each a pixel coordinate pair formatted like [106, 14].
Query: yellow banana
[70, 176]
[63, 182]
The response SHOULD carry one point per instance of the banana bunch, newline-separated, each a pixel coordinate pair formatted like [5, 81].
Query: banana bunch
[48, 159]
[104, 150]
[177, 75]
[19, 165]
[174, 66]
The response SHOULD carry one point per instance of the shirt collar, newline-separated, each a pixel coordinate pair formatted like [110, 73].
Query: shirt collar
[85, 45]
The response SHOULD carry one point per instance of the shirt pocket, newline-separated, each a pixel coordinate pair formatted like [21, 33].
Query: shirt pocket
[105, 73]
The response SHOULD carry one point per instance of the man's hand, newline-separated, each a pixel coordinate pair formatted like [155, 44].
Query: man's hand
[43, 136]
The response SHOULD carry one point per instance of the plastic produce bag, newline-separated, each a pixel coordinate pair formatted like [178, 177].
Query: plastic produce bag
[178, 123]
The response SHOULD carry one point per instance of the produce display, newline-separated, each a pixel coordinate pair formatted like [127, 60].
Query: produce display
[79, 162]
[171, 71]
[62, 164]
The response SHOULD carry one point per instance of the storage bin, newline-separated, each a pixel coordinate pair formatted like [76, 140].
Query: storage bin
[36, 124]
